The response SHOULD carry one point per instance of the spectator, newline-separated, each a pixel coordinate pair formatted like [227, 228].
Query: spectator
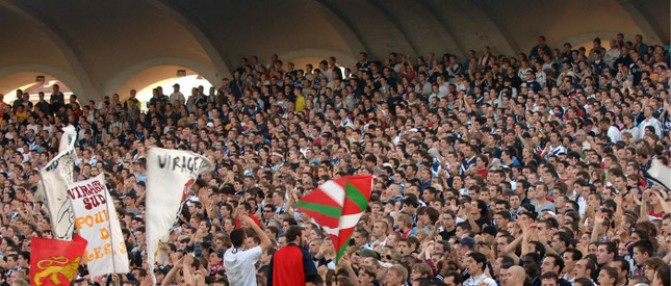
[476, 264]
[292, 263]
[537, 158]
[240, 259]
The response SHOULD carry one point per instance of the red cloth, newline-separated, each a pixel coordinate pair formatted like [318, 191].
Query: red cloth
[482, 173]
[291, 266]
[656, 215]
[55, 262]
[256, 220]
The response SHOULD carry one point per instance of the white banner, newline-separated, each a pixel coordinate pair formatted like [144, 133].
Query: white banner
[660, 173]
[97, 222]
[56, 176]
[170, 174]
[69, 137]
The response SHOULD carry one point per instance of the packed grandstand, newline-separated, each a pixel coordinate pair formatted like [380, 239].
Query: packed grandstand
[527, 169]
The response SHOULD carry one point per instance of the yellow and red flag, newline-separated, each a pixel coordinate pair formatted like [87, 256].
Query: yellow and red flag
[55, 262]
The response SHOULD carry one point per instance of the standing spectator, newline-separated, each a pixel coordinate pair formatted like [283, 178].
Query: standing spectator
[177, 97]
[540, 49]
[292, 264]
[42, 105]
[57, 99]
[239, 260]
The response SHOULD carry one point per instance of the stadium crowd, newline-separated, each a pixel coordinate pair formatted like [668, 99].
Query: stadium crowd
[514, 170]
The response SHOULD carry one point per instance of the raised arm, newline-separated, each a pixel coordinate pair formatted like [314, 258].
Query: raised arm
[351, 276]
[598, 225]
[171, 274]
[643, 215]
[248, 222]
[510, 248]
[186, 269]
[471, 220]
[525, 239]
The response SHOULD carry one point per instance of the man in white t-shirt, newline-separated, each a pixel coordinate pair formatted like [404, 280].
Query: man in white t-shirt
[177, 97]
[239, 260]
[476, 264]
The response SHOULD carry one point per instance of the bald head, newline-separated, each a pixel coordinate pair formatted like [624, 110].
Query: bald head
[514, 276]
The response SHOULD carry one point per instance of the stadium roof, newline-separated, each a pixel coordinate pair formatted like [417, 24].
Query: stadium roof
[96, 46]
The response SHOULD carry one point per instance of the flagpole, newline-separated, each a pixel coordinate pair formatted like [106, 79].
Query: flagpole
[111, 230]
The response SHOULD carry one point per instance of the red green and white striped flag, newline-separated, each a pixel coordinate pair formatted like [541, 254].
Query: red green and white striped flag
[337, 206]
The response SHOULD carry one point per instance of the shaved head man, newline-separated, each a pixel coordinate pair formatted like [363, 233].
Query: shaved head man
[514, 276]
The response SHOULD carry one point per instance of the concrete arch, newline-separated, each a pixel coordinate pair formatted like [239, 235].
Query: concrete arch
[343, 59]
[641, 17]
[329, 8]
[381, 36]
[505, 37]
[397, 23]
[67, 78]
[201, 35]
[86, 88]
[112, 85]
[446, 29]
[345, 29]
[588, 37]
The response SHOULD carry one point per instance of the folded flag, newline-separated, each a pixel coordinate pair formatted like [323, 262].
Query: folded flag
[337, 206]
[55, 177]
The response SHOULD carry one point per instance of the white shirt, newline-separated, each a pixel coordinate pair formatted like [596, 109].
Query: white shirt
[423, 88]
[475, 281]
[650, 122]
[34, 128]
[240, 265]
[328, 73]
[555, 150]
[582, 202]
[177, 96]
[614, 134]
[634, 131]
[443, 90]
[611, 56]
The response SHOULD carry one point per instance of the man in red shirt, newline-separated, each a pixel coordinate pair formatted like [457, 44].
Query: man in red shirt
[292, 264]
[245, 209]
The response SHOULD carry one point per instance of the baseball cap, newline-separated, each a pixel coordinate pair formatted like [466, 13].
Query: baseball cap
[369, 253]
[394, 256]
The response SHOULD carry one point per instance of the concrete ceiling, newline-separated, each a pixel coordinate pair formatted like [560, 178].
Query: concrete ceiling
[98, 47]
